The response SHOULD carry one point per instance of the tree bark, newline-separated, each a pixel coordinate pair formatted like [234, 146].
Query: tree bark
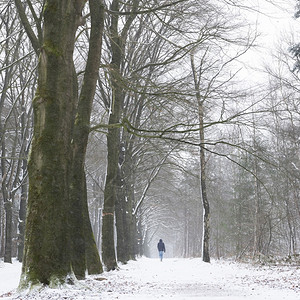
[125, 220]
[84, 246]
[8, 231]
[110, 191]
[117, 46]
[122, 252]
[130, 219]
[25, 124]
[206, 212]
[47, 255]
[22, 215]
[57, 182]
[205, 202]
[113, 146]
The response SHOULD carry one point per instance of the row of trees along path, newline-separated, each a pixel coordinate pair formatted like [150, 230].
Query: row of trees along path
[140, 45]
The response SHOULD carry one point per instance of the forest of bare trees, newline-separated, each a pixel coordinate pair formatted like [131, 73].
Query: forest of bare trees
[123, 122]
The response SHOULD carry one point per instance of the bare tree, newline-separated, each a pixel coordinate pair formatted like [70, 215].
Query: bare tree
[60, 135]
[15, 126]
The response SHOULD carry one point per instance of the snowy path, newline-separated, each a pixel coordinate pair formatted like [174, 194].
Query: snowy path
[176, 279]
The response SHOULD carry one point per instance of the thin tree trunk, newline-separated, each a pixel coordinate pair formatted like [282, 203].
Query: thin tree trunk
[8, 231]
[2, 223]
[257, 245]
[185, 234]
[4, 164]
[22, 215]
[205, 202]
[7, 205]
[24, 187]
[257, 249]
[206, 212]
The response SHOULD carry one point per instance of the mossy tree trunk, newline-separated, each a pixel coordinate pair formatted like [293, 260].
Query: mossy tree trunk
[57, 187]
[84, 246]
[47, 253]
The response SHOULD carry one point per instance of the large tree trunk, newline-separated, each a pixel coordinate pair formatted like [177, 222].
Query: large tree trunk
[122, 243]
[57, 187]
[84, 247]
[113, 146]
[124, 217]
[47, 256]
[110, 194]
[129, 218]
[126, 229]
[130, 229]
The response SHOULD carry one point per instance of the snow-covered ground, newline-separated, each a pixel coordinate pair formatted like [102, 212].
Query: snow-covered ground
[173, 278]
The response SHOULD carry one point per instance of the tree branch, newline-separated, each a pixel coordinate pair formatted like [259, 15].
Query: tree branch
[146, 11]
[31, 35]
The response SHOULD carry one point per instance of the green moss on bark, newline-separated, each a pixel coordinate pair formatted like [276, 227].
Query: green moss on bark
[47, 237]
[57, 207]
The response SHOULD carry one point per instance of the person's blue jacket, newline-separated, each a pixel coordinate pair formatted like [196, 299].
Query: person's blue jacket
[161, 246]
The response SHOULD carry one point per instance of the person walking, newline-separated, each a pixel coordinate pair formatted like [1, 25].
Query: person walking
[161, 249]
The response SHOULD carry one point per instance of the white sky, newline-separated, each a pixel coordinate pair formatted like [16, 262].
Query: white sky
[276, 26]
